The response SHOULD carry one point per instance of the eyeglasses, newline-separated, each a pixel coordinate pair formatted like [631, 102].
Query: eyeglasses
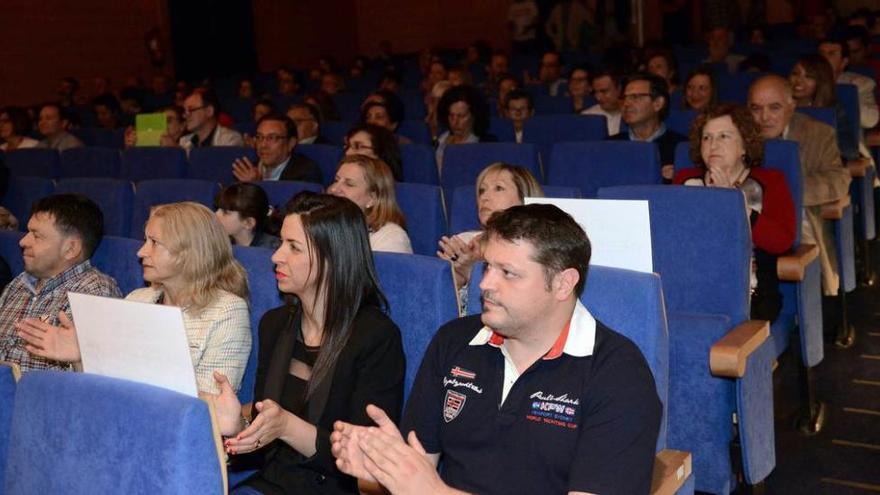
[187, 111]
[269, 138]
[357, 146]
[635, 96]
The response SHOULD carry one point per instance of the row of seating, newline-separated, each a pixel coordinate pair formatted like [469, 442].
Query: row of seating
[612, 295]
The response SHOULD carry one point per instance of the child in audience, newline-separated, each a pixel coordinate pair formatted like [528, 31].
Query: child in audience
[243, 210]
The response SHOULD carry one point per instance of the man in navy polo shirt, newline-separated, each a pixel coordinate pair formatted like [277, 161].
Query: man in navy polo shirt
[532, 396]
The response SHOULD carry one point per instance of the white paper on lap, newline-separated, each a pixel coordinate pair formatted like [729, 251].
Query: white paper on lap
[135, 341]
[619, 230]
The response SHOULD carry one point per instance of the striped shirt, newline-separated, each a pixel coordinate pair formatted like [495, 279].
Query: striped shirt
[22, 299]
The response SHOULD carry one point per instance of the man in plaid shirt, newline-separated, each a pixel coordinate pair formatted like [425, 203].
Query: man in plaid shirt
[63, 232]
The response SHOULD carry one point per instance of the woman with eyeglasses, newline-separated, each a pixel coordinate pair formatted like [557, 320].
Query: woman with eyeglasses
[367, 181]
[378, 142]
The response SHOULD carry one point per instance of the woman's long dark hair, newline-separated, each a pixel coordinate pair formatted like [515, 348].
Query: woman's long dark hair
[338, 239]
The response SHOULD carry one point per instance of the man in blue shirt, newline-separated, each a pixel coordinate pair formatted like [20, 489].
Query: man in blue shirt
[532, 396]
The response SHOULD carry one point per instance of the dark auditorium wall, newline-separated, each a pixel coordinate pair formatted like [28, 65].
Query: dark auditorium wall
[44, 40]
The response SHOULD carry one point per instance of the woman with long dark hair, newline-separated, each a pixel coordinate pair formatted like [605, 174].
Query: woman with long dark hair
[323, 357]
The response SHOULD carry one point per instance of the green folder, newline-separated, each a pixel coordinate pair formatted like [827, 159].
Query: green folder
[150, 127]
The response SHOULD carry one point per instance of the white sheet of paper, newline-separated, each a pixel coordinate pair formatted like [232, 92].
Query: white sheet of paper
[619, 230]
[135, 341]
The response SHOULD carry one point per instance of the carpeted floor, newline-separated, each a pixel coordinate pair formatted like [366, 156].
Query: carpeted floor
[844, 458]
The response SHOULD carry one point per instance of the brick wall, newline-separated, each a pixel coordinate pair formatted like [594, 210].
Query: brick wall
[44, 40]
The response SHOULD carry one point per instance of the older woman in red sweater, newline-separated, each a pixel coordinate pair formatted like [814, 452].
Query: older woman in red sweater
[727, 147]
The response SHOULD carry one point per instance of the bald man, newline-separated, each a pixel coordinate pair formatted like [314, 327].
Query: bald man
[825, 178]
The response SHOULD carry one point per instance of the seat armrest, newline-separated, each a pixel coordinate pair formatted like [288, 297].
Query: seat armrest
[858, 167]
[16, 370]
[791, 267]
[834, 210]
[218, 444]
[728, 356]
[671, 469]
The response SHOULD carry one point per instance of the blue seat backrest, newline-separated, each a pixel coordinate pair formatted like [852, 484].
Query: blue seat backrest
[823, 114]
[735, 87]
[128, 438]
[335, 131]
[462, 163]
[150, 193]
[90, 162]
[7, 403]
[33, 162]
[419, 164]
[784, 156]
[349, 105]
[421, 298]
[280, 191]
[701, 243]
[327, 157]
[22, 193]
[153, 163]
[422, 205]
[553, 105]
[680, 121]
[413, 104]
[246, 128]
[502, 129]
[117, 257]
[240, 109]
[115, 197]
[463, 215]
[416, 130]
[11, 251]
[848, 96]
[214, 163]
[257, 262]
[591, 165]
[682, 156]
[547, 130]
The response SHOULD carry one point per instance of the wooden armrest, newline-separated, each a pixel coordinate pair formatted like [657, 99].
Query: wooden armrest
[872, 138]
[671, 469]
[727, 357]
[791, 267]
[858, 167]
[16, 370]
[834, 210]
[218, 444]
[371, 488]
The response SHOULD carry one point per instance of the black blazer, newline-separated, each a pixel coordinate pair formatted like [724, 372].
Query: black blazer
[303, 169]
[369, 370]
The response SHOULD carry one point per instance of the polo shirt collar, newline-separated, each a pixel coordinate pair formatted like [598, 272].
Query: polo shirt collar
[577, 339]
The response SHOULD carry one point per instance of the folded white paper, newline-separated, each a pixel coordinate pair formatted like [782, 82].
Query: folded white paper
[135, 341]
[619, 230]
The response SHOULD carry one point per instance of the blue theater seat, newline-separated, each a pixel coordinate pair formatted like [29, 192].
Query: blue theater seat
[115, 197]
[280, 191]
[502, 129]
[547, 130]
[153, 163]
[214, 163]
[422, 205]
[421, 298]
[416, 130]
[11, 251]
[9, 375]
[33, 162]
[419, 164]
[591, 165]
[118, 437]
[90, 162]
[462, 163]
[150, 193]
[117, 257]
[327, 157]
[335, 131]
[22, 193]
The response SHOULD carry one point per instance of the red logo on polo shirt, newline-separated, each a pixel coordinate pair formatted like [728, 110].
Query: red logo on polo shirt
[454, 403]
[459, 372]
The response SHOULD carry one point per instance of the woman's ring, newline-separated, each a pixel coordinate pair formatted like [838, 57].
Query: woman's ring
[258, 443]
[454, 257]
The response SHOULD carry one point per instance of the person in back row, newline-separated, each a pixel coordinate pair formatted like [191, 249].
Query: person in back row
[275, 141]
[188, 262]
[645, 107]
[534, 395]
[368, 182]
[200, 112]
[63, 232]
[53, 124]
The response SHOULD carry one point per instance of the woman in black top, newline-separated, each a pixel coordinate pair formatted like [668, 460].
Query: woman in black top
[323, 357]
